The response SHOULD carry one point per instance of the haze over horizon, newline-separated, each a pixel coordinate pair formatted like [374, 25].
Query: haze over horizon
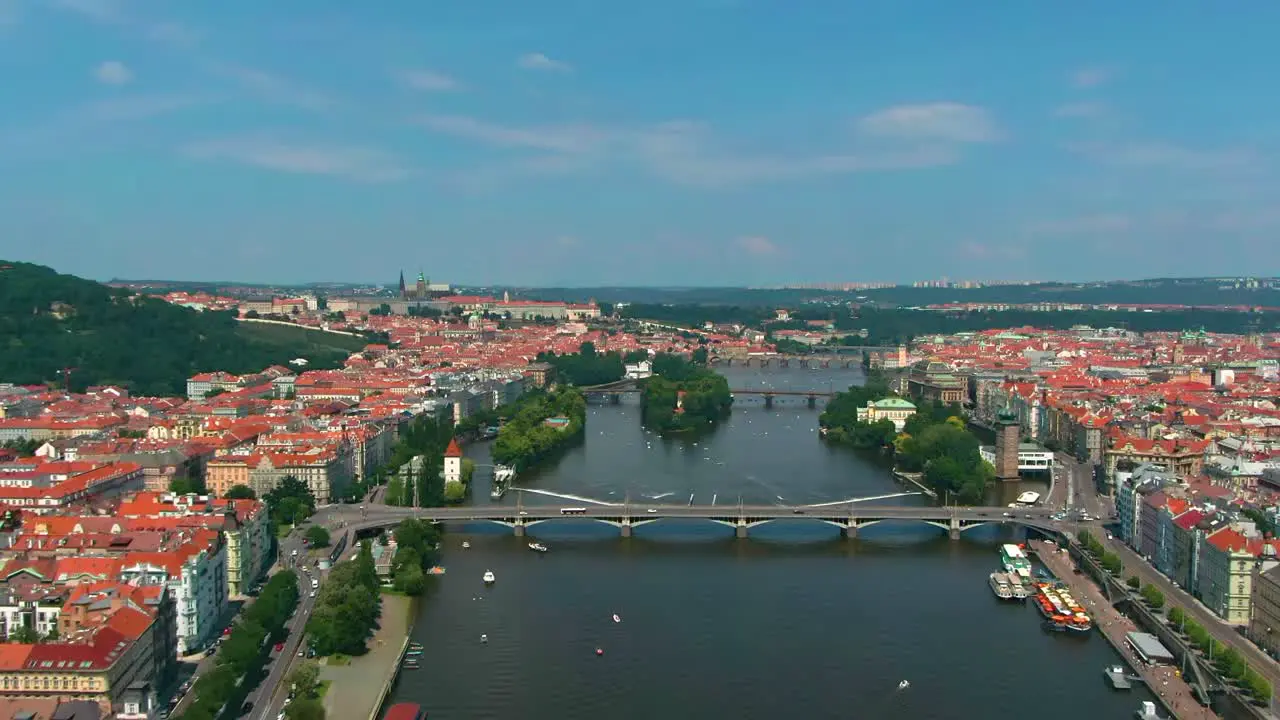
[672, 143]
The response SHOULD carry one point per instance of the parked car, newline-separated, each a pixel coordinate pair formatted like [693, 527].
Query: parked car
[279, 647]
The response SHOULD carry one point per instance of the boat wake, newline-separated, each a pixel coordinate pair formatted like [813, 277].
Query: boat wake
[659, 496]
[564, 496]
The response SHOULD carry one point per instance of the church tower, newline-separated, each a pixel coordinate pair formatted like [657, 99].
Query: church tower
[402, 290]
[422, 286]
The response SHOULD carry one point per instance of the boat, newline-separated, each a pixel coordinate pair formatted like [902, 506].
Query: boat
[904, 685]
[1061, 610]
[415, 646]
[1000, 585]
[1014, 560]
[411, 652]
[616, 618]
[1019, 588]
[599, 652]
[537, 547]
[1118, 677]
[404, 711]
[465, 544]
[489, 577]
[1148, 712]
[484, 638]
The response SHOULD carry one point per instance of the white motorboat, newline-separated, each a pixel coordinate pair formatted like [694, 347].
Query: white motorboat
[537, 547]
[616, 618]
[465, 544]
[904, 685]
[489, 577]
[484, 638]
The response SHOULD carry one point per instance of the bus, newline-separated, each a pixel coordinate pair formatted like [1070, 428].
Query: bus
[573, 511]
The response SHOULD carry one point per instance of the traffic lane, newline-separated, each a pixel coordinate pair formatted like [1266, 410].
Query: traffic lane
[272, 687]
[268, 691]
[1211, 622]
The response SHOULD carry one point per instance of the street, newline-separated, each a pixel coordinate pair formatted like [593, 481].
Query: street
[1174, 595]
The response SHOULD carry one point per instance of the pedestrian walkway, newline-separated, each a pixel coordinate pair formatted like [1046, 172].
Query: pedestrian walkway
[1163, 681]
[362, 681]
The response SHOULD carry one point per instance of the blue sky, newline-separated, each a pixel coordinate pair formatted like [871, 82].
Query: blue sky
[670, 142]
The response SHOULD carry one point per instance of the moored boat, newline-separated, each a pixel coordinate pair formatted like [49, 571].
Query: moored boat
[489, 577]
[1001, 586]
[537, 547]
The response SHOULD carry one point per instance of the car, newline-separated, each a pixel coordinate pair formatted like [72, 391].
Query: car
[313, 593]
[279, 647]
[301, 652]
[522, 512]
[211, 651]
[1008, 514]
[798, 511]
[652, 510]
[246, 707]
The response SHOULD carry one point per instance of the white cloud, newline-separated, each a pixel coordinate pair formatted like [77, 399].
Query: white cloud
[932, 121]
[271, 88]
[1080, 110]
[113, 72]
[756, 245]
[429, 81]
[1083, 225]
[353, 163]
[1163, 155]
[682, 152]
[538, 61]
[571, 138]
[1090, 77]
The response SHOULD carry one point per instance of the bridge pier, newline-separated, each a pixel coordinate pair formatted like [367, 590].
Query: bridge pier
[626, 527]
[741, 530]
[954, 531]
[519, 529]
[850, 530]
[813, 401]
[768, 402]
[615, 398]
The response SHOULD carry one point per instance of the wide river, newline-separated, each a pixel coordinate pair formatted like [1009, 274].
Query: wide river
[794, 622]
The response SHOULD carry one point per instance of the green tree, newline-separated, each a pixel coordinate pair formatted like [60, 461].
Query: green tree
[305, 679]
[317, 536]
[1134, 582]
[290, 502]
[305, 709]
[25, 635]
[1153, 597]
[455, 492]
[183, 485]
[241, 492]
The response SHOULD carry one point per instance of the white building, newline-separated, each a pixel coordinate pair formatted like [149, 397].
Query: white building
[639, 371]
[893, 409]
[453, 462]
[197, 579]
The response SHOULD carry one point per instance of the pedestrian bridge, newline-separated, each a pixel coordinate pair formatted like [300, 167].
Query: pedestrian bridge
[848, 518]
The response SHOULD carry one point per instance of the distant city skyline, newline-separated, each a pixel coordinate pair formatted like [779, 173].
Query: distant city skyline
[671, 143]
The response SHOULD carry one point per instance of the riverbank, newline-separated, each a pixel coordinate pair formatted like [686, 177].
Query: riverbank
[1163, 681]
[366, 681]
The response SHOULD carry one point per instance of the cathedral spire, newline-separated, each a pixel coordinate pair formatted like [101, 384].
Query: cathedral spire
[402, 283]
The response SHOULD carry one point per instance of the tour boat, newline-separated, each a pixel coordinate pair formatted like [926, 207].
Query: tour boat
[489, 577]
[1000, 585]
[537, 547]
[1014, 560]
[1059, 608]
[1019, 588]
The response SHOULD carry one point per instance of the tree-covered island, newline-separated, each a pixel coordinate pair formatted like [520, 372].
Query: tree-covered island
[934, 441]
[544, 426]
[682, 395]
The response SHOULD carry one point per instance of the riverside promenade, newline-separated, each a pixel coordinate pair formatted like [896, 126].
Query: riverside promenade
[366, 679]
[1163, 682]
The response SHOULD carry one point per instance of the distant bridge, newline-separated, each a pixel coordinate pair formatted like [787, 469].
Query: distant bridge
[787, 361]
[848, 518]
[615, 390]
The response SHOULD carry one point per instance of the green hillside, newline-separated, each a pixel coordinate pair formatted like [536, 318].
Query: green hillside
[50, 321]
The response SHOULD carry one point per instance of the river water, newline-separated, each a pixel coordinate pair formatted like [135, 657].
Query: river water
[794, 622]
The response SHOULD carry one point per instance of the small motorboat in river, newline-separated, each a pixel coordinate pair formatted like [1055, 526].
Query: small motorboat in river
[489, 577]
[616, 618]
